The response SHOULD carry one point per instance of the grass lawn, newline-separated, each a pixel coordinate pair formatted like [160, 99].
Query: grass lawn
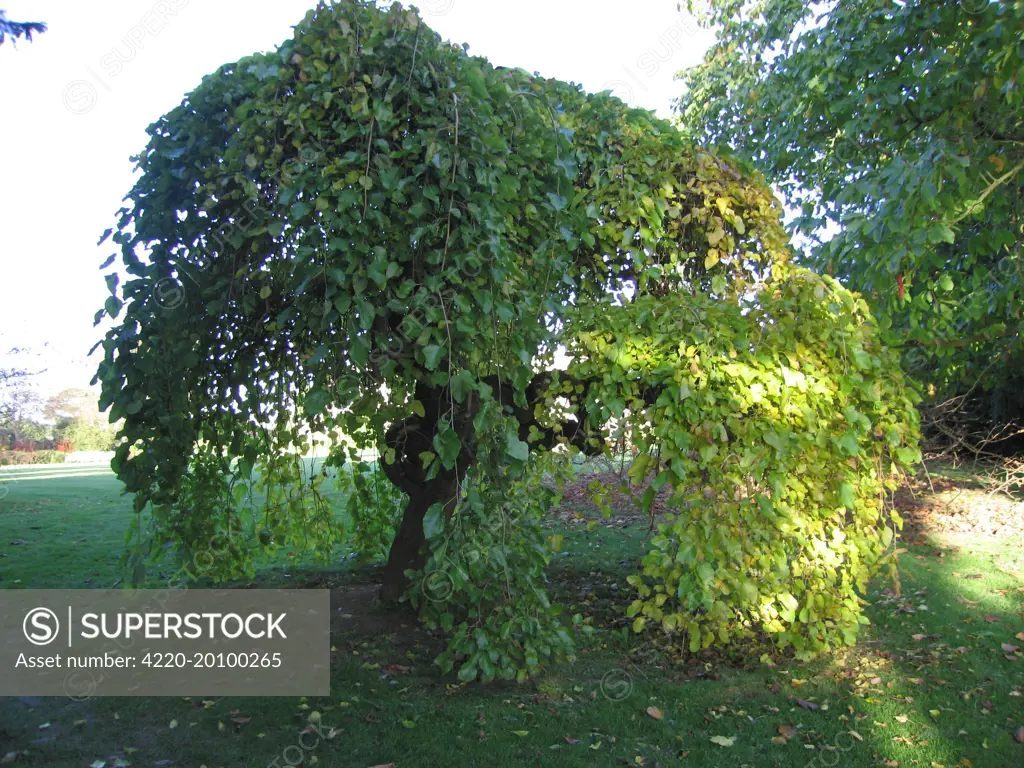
[938, 680]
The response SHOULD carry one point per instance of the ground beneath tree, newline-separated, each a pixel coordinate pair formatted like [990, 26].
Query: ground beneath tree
[937, 679]
[623, 497]
[958, 512]
[940, 512]
[935, 506]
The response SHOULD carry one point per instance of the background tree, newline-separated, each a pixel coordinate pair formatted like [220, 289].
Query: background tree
[370, 235]
[899, 127]
[19, 403]
[75, 405]
[78, 421]
[16, 29]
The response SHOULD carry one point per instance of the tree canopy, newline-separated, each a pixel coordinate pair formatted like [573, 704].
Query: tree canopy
[899, 126]
[371, 236]
[16, 29]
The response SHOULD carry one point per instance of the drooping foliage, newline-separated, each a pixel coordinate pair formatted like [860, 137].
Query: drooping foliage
[898, 125]
[775, 425]
[370, 239]
[18, 29]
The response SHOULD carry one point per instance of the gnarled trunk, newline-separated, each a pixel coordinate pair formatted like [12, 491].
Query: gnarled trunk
[409, 549]
[409, 439]
[413, 436]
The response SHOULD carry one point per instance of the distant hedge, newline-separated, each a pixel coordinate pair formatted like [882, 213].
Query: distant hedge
[7, 458]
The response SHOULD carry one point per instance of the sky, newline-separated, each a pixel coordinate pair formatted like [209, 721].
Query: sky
[75, 103]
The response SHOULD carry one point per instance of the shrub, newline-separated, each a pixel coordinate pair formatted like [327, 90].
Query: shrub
[9, 458]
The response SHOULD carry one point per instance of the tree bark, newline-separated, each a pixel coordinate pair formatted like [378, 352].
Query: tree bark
[413, 436]
[408, 439]
[408, 550]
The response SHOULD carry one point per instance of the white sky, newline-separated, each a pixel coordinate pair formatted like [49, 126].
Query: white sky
[71, 115]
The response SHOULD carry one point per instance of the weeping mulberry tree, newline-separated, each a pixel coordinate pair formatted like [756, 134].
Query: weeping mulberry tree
[371, 239]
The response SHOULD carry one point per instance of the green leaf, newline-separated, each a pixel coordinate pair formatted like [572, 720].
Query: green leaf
[315, 402]
[433, 521]
[432, 355]
[847, 495]
[849, 443]
[640, 467]
[516, 448]
[558, 202]
[706, 573]
[462, 383]
[448, 446]
[648, 500]
[476, 83]
[113, 306]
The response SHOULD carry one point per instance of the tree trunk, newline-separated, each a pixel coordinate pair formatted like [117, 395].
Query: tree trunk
[409, 550]
[413, 436]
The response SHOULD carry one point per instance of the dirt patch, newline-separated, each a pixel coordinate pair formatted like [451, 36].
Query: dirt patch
[953, 509]
[578, 499]
[357, 612]
[958, 511]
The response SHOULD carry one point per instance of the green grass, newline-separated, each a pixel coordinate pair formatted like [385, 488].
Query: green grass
[929, 683]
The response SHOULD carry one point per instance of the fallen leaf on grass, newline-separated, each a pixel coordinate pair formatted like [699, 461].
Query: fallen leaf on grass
[808, 705]
[901, 718]
[1018, 735]
[778, 740]
[98, 764]
[240, 720]
[787, 732]
[409, 723]
[44, 726]
[723, 741]
[10, 757]
[1010, 648]
[991, 619]
[919, 637]
[571, 740]
[856, 735]
[520, 733]
[655, 713]
[934, 713]
[383, 765]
